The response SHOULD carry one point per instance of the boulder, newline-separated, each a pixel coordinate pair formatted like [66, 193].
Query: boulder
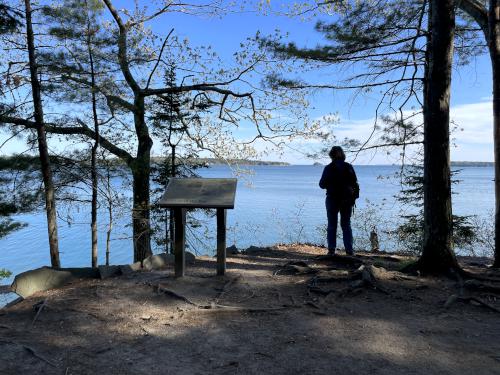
[44, 278]
[158, 261]
[109, 271]
[130, 268]
[163, 260]
[82, 272]
[27, 283]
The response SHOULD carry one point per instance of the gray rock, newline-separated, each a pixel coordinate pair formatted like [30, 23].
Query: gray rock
[44, 278]
[164, 260]
[109, 271]
[27, 283]
[82, 272]
[158, 261]
[130, 268]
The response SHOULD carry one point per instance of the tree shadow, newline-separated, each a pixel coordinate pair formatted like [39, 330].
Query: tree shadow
[127, 325]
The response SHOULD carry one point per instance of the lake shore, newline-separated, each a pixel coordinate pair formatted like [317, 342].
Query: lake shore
[281, 309]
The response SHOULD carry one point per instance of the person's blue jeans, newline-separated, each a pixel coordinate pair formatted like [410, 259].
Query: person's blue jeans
[333, 209]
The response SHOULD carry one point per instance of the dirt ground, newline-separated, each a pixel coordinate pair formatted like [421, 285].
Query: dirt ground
[266, 316]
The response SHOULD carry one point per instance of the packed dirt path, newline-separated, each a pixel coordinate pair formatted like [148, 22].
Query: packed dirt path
[266, 316]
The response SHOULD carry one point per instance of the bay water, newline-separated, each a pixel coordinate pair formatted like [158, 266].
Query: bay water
[274, 204]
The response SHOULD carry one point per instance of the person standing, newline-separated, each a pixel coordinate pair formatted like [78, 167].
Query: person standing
[342, 189]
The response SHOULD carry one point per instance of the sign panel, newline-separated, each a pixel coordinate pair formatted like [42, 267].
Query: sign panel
[200, 193]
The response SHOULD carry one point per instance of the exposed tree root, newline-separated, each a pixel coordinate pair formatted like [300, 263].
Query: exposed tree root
[38, 307]
[469, 275]
[482, 287]
[227, 286]
[216, 306]
[295, 268]
[345, 260]
[457, 298]
[364, 276]
[162, 289]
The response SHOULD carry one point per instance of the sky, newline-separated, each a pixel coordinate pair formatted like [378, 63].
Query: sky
[471, 108]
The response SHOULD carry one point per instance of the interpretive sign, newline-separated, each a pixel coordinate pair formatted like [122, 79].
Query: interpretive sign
[200, 193]
[183, 193]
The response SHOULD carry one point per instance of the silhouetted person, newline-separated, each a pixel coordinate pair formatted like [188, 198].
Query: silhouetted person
[341, 184]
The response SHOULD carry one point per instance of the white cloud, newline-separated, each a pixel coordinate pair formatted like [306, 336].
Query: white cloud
[473, 140]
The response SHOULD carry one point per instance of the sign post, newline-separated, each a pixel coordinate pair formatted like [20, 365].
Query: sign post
[184, 193]
[221, 241]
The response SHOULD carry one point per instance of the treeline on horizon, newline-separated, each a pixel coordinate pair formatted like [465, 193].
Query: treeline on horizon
[25, 161]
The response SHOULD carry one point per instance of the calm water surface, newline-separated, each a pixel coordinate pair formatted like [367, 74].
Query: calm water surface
[273, 204]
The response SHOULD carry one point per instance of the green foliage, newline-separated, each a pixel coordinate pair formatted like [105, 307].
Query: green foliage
[8, 226]
[9, 19]
[171, 118]
[21, 187]
[410, 233]
[18, 194]
[375, 47]
[4, 273]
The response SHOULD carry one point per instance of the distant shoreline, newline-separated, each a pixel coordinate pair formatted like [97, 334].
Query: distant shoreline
[10, 161]
[472, 164]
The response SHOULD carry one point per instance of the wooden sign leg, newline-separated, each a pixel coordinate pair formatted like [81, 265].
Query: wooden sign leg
[180, 241]
[221, 241]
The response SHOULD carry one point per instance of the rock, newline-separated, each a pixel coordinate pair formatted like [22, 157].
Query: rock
[82, 272]
[158, 261]
[109, 271]
[44, 278]
[232, 250]
[27, 283]
[137, 266]
[163, 260]
[130, 268]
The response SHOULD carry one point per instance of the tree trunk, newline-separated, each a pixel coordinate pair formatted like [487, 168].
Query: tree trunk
[141, 168]
[50, 203]
[110, 214]
[93, 223]
[171, 223]
[494, 47]
[140, 212]
[437, 252]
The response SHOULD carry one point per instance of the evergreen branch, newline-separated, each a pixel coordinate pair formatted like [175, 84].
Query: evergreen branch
[293, 85]
[83, 129]
[111, 98]
[122, 47]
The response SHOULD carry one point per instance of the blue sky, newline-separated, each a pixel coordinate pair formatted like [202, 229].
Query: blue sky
[471, 90]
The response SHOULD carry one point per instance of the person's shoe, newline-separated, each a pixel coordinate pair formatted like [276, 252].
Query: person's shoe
[350, 253]
[331, 252]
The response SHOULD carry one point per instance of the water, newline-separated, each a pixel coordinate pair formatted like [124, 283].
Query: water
[275, 204]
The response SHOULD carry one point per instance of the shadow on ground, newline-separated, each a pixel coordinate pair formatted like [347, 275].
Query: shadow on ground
[250, 321]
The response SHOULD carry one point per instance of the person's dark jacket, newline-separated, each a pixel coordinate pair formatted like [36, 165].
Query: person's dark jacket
[338, 179]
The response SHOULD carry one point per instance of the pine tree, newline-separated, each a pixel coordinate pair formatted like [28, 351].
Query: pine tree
[411, 231]
[170, 126]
